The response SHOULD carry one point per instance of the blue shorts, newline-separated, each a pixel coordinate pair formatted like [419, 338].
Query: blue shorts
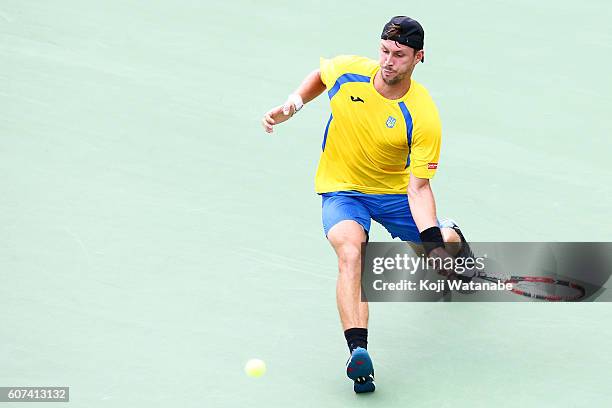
[389, 210]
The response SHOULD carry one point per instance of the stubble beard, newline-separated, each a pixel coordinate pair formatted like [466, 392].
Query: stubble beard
[392, 81]
[395, 80]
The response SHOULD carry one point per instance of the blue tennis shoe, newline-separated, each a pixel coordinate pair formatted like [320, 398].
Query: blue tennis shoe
[360, 369]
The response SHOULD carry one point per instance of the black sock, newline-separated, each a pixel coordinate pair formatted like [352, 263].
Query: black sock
[356, 337]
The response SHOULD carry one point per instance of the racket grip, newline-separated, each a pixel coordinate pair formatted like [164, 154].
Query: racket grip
[463, 277]
[467, 275]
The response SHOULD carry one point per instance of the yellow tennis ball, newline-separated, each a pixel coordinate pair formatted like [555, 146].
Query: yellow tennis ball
[255, 368]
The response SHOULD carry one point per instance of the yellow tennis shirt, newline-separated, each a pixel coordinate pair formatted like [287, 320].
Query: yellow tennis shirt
[372, 144]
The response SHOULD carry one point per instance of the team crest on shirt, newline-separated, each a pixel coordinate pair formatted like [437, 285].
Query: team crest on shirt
[391, 122]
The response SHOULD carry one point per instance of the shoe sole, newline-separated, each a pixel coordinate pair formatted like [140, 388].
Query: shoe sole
[359, 365]
[361, 370]
[368, 386]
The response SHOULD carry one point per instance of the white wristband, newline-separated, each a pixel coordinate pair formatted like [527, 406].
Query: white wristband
[296, 99]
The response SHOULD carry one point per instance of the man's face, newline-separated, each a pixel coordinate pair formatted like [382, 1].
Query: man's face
[397, 61]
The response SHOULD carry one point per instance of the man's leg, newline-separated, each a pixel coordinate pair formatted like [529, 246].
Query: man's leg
[346, 238]
[346, 221]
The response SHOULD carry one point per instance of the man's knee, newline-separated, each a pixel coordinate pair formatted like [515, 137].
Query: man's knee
[349, 255]
[346, 238]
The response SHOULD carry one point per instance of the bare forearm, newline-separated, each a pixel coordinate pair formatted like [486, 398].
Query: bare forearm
[422, 206]
[311, 87]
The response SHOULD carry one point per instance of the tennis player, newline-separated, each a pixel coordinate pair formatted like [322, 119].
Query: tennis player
[381, 147]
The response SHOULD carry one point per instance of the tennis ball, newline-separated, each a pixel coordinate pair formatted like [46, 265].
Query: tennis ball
[255, 368]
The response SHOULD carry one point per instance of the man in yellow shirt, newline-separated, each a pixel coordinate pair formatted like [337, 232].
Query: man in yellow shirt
[380, 148]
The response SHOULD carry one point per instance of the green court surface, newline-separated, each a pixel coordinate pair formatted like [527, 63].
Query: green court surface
[153, 238]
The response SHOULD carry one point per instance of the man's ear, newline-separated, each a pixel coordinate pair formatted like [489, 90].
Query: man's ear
[420, 54]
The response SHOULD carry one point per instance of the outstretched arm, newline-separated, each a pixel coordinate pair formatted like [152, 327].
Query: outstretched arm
[311, 87]
[422, 203]
[423, 209]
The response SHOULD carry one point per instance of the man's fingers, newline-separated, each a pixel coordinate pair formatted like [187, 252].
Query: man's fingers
[266, 126]
[268, 119]
[288, 109]
[267, 123]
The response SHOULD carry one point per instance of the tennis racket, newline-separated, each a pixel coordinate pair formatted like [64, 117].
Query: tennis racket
[545, 288]
[541, 287]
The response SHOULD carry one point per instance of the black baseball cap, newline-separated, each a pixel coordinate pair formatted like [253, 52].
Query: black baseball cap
[411, 32]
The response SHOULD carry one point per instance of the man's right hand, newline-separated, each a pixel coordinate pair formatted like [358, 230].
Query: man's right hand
[278, 115]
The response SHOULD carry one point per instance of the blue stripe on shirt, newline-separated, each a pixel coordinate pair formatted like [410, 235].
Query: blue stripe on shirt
[344, 79]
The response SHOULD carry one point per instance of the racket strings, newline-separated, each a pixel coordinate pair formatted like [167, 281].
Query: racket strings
[535, 287]
[547, 289]
[538, 287]
[495, 276]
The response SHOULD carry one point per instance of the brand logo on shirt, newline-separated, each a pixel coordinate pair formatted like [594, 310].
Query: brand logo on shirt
[391, 122]
[432, 166]
[357, 99]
